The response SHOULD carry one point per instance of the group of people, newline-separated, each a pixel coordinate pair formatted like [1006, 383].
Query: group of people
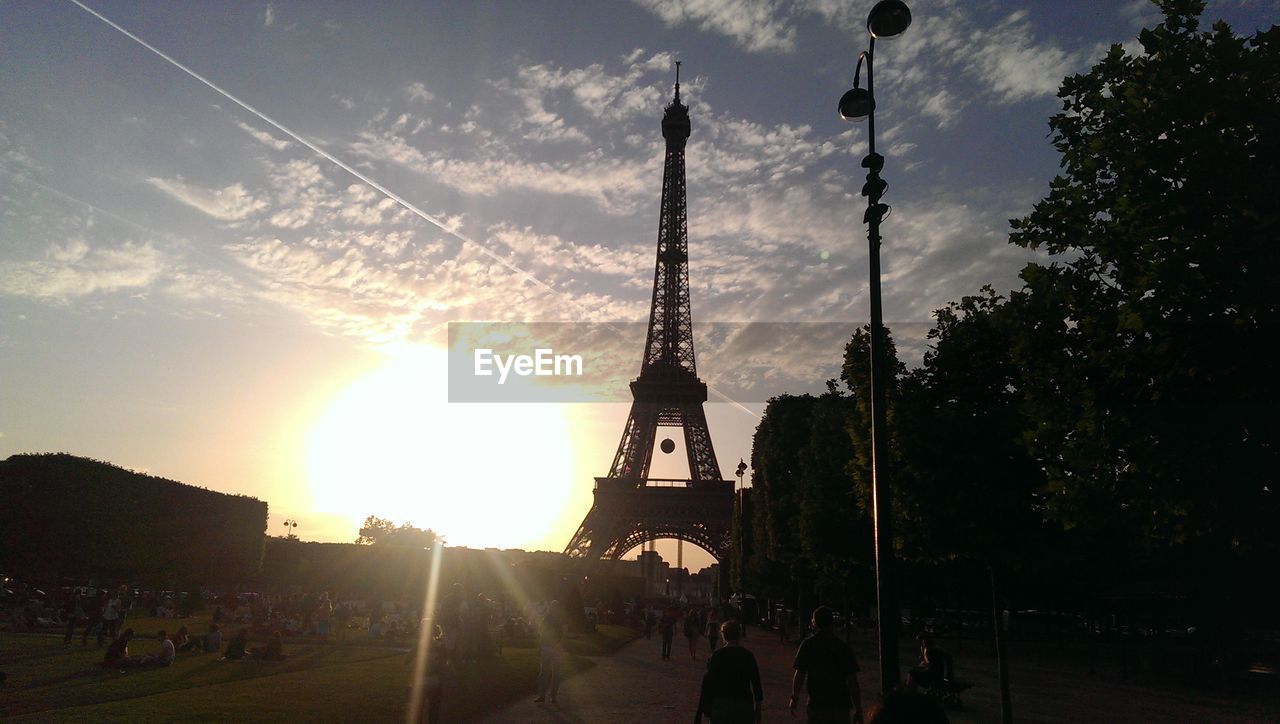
[696, 622]
[825, 669]
[117, 655]
[102, 614]
[237, 648]
[458, 635]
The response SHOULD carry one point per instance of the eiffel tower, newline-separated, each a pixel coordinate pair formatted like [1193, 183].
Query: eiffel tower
[630, 508]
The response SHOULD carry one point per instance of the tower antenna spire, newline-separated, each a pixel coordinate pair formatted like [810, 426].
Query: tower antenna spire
[677, 80]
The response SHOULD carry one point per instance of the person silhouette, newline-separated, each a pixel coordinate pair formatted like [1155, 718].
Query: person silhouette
[550, 639]
[830, 669]
[731, 691]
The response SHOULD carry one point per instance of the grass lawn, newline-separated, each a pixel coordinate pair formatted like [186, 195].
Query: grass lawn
[350, 682]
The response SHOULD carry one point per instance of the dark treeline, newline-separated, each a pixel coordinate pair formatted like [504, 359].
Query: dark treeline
[392, 572]
[67, 518]
[1103, 439]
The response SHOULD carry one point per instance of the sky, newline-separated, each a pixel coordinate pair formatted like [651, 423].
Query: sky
[232, 235]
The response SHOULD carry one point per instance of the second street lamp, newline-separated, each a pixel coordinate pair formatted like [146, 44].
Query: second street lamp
[887, 19]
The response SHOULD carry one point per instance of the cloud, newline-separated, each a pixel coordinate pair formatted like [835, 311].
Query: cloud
[269, 18]
[755, 25]
[571, 256]
[230, 203]
[416, 91]
[613, 184]
[1018, 68]
[74, 269]
[301, 188]
[263, 136]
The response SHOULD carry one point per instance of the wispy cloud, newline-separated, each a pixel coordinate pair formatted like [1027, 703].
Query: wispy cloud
[269, 17]
[263, 136]
[74, 269]
[756, 25]
[1019, 67]
[230, 203]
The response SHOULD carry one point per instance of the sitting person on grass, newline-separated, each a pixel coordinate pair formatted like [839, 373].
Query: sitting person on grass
[238, 647]
[273, 651]
[213, 639]
[164, 657]
[181, 641]
[118, 652]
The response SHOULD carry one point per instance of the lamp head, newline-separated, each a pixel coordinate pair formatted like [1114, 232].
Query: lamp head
[856, 104]
[888, 18]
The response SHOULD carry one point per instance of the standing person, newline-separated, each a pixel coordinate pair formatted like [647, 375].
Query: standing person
[693, 630]
[649, 621]
[713, 627]
[667, 628]
[343, 617]
[436, 662]
[731, 691]
[550, 639]
[831, 670]
[110, 618]
[93, 612]
[449, 614]
[126, 604]
[75, 614]
[324, 612]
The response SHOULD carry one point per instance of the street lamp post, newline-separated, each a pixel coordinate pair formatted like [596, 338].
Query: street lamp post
[742, 469]
[886, 19]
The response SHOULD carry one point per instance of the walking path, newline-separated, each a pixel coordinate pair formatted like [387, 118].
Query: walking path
[635, 685]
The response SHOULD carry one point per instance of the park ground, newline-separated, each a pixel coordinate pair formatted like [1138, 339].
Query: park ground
[610, 678]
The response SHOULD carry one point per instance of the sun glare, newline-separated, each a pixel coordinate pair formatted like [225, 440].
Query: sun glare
[481, 474]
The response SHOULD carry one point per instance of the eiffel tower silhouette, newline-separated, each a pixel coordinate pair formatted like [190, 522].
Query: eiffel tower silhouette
[630, 508]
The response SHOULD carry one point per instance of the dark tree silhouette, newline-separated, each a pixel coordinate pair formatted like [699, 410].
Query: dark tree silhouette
[381, 531]
[1141, 339]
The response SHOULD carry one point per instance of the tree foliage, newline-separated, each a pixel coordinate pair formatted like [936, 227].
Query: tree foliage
[381, 531]
[1141, 340]
[968, 487]
[67, 516]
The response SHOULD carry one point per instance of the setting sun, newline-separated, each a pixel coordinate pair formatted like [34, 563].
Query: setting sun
[391, 445]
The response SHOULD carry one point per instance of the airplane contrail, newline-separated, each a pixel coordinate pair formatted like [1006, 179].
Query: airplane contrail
[322, 152]
[349, 169]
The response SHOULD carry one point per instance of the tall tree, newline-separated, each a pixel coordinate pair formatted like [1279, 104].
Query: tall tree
[1142, 337]
[856, 374]
[835, 531]
[776, 449]
[969, 488]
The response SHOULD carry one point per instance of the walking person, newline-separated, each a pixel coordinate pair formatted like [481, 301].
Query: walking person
[550, 639]
[667, 629]
[830, 670]
[731, 691]
[693, 630]
[713, 627]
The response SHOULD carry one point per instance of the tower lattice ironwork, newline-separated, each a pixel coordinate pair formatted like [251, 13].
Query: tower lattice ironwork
[631, 508]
